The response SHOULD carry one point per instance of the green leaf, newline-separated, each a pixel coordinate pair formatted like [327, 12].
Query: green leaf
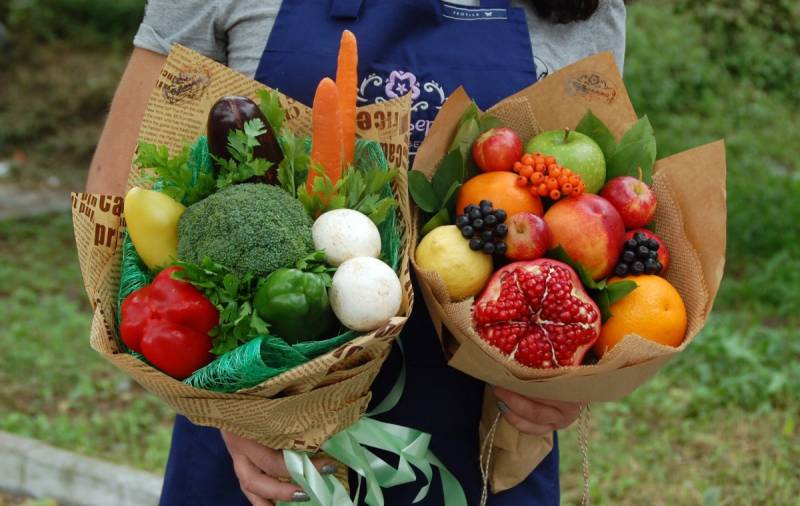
[450, 198]
[381, 210]
[465, 136]
[637, 149]
[270, 106]
[594, 127]
[422, 192]
[439, 219]
[559, 253]
[619, 289]
[488, 121]
[450, 170]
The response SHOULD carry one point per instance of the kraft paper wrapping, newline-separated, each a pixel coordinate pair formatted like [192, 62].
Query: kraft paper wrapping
[690, 217]
[303, 407]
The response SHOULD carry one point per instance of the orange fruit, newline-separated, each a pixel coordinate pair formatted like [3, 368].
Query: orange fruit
[654, 310]
[500, 187]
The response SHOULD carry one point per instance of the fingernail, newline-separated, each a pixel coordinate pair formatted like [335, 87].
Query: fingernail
[300, 496]
[502, 406]
[328, 469]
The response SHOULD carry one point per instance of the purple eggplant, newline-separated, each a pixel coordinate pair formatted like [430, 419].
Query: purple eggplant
[231, 113]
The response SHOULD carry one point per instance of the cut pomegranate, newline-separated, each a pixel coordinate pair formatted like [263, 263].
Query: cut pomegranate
[538, 314]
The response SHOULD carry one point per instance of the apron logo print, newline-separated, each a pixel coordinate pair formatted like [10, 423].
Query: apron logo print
[400, 83]
[376, 89]
[426, 96]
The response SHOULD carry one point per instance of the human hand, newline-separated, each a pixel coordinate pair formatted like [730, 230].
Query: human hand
[537, 417]
[261, 469]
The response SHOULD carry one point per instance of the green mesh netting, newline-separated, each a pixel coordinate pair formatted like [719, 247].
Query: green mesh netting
[267, 356]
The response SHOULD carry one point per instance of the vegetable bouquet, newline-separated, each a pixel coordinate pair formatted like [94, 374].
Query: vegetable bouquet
[557, 257]
[256, 273]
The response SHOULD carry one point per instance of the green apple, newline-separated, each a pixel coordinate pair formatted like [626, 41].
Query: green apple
[575, 151]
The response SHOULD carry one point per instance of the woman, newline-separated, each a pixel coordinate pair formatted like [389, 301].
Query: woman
[423, 47]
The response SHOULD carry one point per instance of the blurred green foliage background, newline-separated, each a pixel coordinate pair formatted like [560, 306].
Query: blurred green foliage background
[718, 426]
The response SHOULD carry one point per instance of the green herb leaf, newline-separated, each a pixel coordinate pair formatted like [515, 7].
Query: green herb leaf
[293, 169]
[421, 191]
[594, 127]
[637, 149]
[270, 106]
[380, 211]
[231, 295]
[242, 165]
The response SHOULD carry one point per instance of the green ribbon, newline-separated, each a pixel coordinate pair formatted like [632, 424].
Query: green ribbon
[349, 447]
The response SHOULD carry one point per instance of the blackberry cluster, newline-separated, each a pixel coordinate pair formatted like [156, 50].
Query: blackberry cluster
[639, 256]
[483, 226]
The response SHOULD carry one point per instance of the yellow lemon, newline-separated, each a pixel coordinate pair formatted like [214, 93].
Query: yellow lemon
[447, 253]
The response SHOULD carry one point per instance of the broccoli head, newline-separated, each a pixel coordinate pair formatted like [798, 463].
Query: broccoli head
[254, 228]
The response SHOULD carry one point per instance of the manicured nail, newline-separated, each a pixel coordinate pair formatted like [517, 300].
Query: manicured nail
[328, 469]
[300, 496]
[502, 406]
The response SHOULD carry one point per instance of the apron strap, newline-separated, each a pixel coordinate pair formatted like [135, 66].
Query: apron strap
[349, 9]
[345, 9]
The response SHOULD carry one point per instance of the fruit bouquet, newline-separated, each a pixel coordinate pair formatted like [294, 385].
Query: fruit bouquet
[558, 259]
[255, 274]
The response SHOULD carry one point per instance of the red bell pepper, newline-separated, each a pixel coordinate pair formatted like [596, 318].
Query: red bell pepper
[168, 322]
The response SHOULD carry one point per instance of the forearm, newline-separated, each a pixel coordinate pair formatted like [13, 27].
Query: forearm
[108, 172]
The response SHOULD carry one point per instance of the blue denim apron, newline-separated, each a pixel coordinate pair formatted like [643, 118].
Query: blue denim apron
[426, 48]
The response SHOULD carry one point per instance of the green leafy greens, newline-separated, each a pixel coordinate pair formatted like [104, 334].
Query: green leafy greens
[232, 296]
[242, 165]
[186, 177]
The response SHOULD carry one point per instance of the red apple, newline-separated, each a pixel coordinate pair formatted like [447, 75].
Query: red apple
[497, 149]
[632, 198]
[528, 237]
[590, 230]
[663, 251]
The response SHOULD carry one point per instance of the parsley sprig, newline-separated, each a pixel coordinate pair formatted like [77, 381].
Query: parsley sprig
[242, 165]
[186, 177]
[232, 295]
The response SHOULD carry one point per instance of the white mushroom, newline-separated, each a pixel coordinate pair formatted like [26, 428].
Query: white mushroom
[365, 293]
[344, 234]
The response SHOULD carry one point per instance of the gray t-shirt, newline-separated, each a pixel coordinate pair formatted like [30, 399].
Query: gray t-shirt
[234, 32]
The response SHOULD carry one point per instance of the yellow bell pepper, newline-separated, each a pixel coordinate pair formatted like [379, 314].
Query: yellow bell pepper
[152, 220]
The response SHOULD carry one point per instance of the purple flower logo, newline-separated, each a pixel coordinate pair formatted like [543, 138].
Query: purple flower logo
[400, 83]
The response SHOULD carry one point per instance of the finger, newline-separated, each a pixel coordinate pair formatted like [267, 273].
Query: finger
[266, 459]
[526, 426]
[265, 487]
[570, 409]
[257, 501]
[325, 466]
[530, 409]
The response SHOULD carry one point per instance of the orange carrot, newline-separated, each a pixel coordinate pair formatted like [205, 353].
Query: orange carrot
[326, 132]
[347, 82]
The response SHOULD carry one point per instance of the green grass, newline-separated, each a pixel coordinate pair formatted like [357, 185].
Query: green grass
[56, 388]
[718, 426]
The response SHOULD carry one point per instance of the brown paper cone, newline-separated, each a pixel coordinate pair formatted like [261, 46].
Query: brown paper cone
[690, 218]
[303, 407]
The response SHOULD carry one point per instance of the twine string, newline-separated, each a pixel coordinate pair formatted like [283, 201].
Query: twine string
[583, 443]
[486, 458]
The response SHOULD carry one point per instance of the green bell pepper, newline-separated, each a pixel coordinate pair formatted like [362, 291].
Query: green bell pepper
[295, 304]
